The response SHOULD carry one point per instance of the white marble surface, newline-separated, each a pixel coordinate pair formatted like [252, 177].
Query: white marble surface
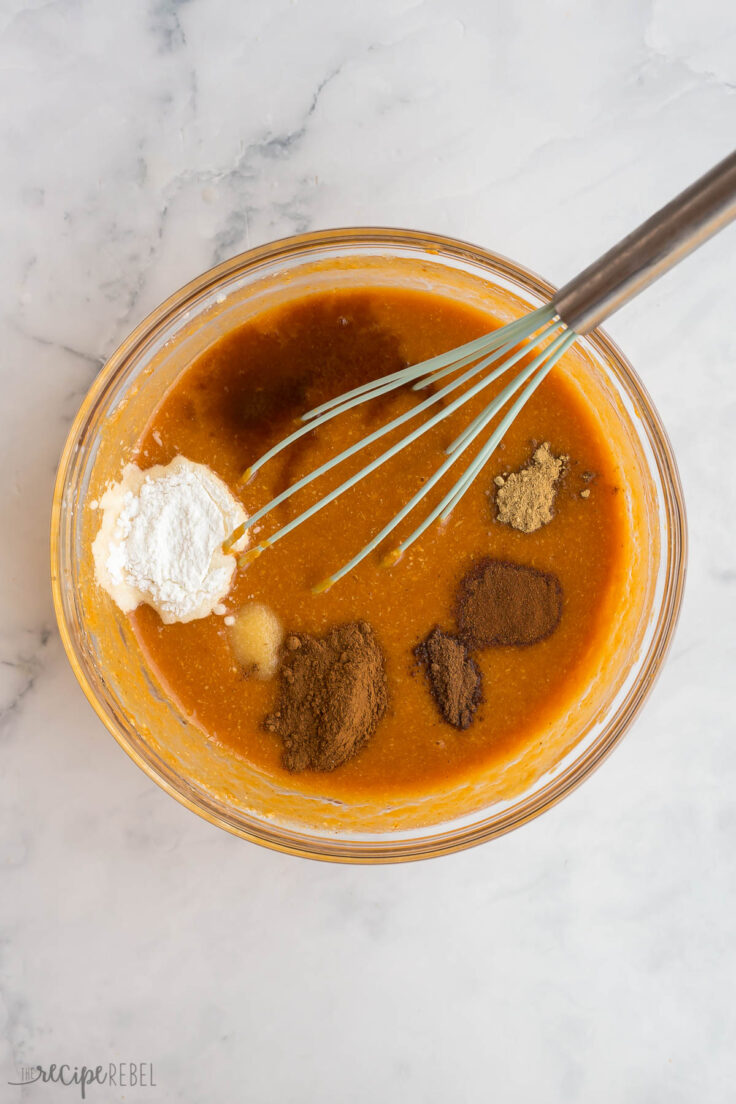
[589, 956]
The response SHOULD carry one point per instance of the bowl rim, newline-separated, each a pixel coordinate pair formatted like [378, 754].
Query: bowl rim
[403, 849]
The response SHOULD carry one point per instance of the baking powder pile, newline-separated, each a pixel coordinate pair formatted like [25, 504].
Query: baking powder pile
[161, 539]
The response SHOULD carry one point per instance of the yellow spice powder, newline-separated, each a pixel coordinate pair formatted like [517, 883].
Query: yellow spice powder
[525, 499]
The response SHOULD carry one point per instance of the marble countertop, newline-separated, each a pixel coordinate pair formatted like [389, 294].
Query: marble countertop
[589, 956]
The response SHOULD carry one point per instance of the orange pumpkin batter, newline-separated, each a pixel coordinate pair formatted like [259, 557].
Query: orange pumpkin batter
[245, 393]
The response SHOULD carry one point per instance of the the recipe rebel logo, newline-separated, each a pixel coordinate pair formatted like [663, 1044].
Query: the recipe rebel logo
[123, 1075]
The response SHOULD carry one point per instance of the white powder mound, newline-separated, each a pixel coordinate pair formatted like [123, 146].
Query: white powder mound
[161, 539]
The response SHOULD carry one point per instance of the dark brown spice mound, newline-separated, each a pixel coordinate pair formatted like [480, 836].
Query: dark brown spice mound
[500, 603]
[332, 696]
[454, 678]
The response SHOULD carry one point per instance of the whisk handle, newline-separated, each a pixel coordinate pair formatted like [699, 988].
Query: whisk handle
[649, 251]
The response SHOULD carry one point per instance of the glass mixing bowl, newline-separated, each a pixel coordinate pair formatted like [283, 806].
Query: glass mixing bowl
[105, 657]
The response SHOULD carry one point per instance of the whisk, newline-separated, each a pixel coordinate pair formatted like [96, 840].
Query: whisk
[545, 334]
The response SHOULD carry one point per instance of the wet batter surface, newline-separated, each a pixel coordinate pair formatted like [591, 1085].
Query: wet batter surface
[247, 392]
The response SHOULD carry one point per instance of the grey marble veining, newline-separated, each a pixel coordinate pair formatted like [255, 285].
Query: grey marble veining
[589, 956]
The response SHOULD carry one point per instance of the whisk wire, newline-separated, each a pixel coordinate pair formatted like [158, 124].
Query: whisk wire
[524, 329]
[371, 467]
[453, 358]
[449, 361]
[453, 496]
[507, 345]
[544, 361]
[401, 419]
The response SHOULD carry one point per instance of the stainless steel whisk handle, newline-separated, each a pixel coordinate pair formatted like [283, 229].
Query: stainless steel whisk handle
[649, 251]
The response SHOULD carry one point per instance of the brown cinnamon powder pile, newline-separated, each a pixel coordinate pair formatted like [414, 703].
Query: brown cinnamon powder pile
[453, 675]
[525, 499]
[332, 696]
[500, 603]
